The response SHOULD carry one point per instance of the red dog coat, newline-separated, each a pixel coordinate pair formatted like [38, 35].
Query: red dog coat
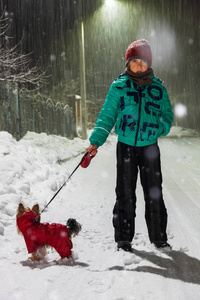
[38, 234]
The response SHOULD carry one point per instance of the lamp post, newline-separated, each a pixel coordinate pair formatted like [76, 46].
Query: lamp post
[82, 72]
[110, 4]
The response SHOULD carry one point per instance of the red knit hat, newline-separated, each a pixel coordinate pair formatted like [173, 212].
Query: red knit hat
[139, 49]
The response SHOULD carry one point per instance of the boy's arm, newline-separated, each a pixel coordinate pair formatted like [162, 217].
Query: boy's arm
[106, 118]
[167, 115]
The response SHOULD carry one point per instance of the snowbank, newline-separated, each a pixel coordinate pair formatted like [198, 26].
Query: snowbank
[32, 170]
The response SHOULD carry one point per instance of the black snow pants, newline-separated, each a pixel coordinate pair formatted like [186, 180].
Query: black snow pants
[130, 160]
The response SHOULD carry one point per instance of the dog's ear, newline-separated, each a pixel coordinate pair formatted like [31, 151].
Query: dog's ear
[21, 209]
[36, 208]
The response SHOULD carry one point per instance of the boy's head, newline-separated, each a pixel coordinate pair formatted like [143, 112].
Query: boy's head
[139, 49]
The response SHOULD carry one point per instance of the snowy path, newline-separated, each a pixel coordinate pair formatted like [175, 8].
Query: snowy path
[181, 169]
[100, 272]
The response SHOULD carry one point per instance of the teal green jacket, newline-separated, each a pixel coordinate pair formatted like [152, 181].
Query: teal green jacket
[140, 114]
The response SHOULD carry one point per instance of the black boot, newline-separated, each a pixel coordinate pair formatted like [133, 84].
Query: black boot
[126, 246]
[163, 246]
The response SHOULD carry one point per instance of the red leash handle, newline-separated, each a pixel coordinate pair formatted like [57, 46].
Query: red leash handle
[86, 160]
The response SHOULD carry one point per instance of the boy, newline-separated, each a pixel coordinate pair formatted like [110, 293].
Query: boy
[139, 105]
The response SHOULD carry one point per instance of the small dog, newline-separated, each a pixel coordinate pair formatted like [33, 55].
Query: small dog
[38, 236]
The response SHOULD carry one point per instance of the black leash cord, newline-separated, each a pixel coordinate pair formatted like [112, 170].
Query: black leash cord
[82, 160]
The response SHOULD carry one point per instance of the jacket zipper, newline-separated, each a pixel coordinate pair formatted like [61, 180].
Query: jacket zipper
[140, 105]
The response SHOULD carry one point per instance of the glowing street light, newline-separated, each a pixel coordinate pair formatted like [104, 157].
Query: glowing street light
[109, 3]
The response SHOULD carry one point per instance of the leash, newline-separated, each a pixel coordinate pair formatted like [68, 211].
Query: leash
[84, 163]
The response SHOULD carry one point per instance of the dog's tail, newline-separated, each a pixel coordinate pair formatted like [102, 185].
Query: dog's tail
[73, 227]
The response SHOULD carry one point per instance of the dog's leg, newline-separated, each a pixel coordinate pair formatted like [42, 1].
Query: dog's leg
[39, 254]
[33, 256]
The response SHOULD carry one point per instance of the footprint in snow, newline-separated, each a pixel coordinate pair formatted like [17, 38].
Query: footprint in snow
[99, 285]
[132, 259]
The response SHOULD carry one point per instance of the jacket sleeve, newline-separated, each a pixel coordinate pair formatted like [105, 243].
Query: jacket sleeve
[106, 118]
[167, 115]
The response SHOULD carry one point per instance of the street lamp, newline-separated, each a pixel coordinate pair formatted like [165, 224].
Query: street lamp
[110, 5]
[82, 73]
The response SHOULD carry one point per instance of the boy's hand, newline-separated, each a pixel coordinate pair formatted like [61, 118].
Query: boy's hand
[92, 149]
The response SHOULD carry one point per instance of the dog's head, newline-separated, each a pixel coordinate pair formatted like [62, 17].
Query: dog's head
[73, 227]
[22, 209]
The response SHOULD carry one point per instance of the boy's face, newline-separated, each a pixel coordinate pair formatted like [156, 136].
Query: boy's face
[138, 65]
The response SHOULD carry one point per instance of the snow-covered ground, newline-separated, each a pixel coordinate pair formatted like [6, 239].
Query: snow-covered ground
[32, 170]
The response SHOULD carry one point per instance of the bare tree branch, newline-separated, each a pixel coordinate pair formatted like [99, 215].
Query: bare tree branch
[14, 66]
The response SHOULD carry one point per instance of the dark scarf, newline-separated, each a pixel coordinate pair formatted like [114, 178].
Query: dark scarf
[144, 78]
